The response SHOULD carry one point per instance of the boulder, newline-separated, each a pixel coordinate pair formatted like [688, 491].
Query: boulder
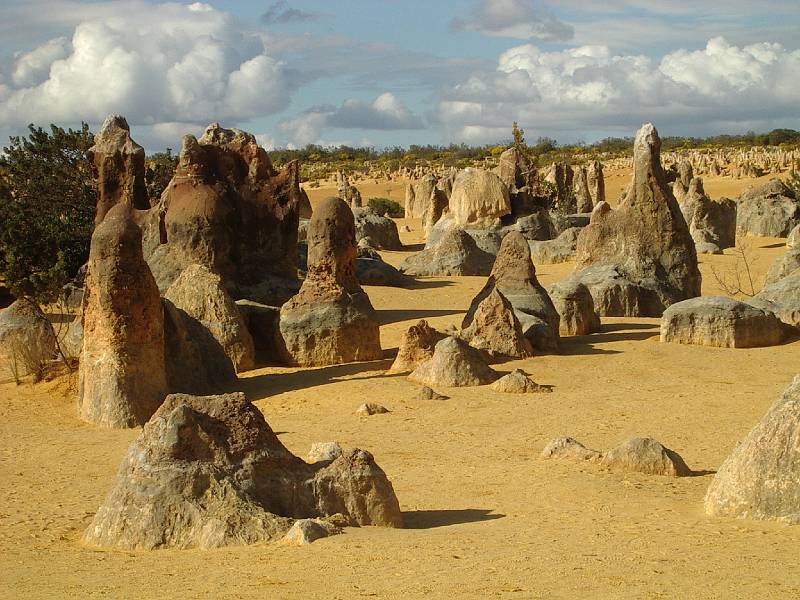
[644, 245]
[514, 276]
[27, 338]
[761, 478]
[645, 455]
[426, 393]
[227, 208]
[575, 306]
[454, 364]
[538, 225]
[200, 294]
[559, 250]
[207, 472]
[769, 210]
[783, 266]
[720, 321]
[416, 347]
[479, 198]
[580, 189]
[117, 167]
[711, 224]
[519, 382]
[370, 271]
[495, 329]
[455, 254]
[381, 232]
[782, 298]
[330, 320]
[418, 196]
[122, 376]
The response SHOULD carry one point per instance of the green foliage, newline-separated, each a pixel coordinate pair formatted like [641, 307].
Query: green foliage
[158, 171]
[47, 205]
[385, 207]
[518, 135]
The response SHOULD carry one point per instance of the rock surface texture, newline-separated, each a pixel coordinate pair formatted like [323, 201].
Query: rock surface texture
[416, 347]
[380, 232]
[495, 329]
[514, 276]
[642, 249]
[720, 321]
[228, 209]
[761, 478]
[575, 306]
[455, 254]
[454, 364]
[200, 294]
[118, 168]
[122, 377]
[207, 472]
[479, 198]
[769, 209]
[330, 320]
[519, 382]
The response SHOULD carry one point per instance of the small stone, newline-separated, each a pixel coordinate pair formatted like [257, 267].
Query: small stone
[370, 408]
[305, 531]
[567, 447]
[321, 451]
[518, 382]
[426, 393]
[646, 455]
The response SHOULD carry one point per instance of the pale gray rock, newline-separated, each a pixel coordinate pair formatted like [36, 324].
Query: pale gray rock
[381, 232]
[519, 382]
[455, 254]
[571, 449]
[645, 455]
[720, 321]
[558, 250]
[371, 408]
[324, 451]
[454, 364]
[769, 210]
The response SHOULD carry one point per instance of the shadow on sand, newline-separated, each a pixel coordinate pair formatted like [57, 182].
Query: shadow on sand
[428, 519]
[393, 316]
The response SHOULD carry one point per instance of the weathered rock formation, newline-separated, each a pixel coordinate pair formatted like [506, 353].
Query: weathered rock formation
[495, 329]
[455, 254]
[580, 189]
[596, 182]
[418, 197]
[514, 276]
[712, 225]
[720, 321]
[519, 382]
[642, 249]
[769, 209]
[27, 338]
[208, 472]
[761, 478]
[479, 198]
[118, 168]
[454, 364]
[200, 294]
[379, 232]
[228, 209]
[330, 320]
[575, 306]
[782, 298]
[558, 250]
[416, 347]
[122, 369]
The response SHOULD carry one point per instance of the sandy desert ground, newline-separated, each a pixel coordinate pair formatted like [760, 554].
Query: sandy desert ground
[486, 516]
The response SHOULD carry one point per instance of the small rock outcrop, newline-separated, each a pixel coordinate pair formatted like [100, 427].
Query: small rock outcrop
[720, 321]
[645, 242]
[519, 382]
[27, 338]
[769, 210]
[784, 265]
[200, 294]
[306, 531]
[712, 224]
[122, 377]
[781, 298]
[455, 254]
[379, 232]
[479, 198]
[454, 364]
[495, 329]
[416, 347]
[575, 306]
[330, 320]
[637, 455]
[371, 408]
[558, 250]
[761, 478]
[324, 451]
[207, 472]
[427, 393]
[118, 168]
[514, 276]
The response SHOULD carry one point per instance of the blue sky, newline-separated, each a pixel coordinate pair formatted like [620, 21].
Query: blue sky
[385, 73]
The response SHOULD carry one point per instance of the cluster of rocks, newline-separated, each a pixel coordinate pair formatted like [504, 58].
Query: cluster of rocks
[345, 191]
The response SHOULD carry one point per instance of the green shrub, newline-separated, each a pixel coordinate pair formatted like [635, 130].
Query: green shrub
[385, 207]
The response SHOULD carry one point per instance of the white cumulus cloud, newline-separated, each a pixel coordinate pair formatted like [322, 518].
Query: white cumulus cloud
[591, 88]
[154, 63]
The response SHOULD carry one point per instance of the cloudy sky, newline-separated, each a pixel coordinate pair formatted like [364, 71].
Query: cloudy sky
[399, 72]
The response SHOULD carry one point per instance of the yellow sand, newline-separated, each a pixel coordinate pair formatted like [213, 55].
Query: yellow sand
[486, 516]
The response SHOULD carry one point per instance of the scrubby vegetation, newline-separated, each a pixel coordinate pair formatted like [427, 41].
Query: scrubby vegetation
[385, 207]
